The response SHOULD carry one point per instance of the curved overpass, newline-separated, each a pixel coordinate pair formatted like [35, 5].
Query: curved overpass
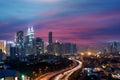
[65, 75]
[50, 75]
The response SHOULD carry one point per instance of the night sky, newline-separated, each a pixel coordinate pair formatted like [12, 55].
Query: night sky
[85, 22]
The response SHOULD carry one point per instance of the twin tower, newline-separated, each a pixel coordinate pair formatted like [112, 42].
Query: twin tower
[19, 36]
[30, 33]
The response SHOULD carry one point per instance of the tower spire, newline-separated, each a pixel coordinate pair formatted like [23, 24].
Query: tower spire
[28, 31]
[32, 30]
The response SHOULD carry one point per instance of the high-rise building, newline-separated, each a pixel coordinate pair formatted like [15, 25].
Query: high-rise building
[28, 43]
[3, 45]
[20, 37]
[0, 54]
[20, 44]
[68, 48]
[28, 46]
[57, 48]
[114, 47]
[50, 38]
[50, 49]
[30, 33]
[14, 52]
[15, 37]
[9, 44]
[39, 46]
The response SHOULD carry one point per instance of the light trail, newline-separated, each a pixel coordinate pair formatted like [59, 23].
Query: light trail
[50, 75]
[67, 74]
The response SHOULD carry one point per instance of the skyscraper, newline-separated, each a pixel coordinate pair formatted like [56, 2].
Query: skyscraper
[68, 48]
[9, 44]
[20, 44]
[50, 38]
[30, 33]
[0, 54]
[19, 36]
[50, 46]
[114, 47]
[3, 45]
[39, 46]
[14, 52]
[57, 48]
[29, 38]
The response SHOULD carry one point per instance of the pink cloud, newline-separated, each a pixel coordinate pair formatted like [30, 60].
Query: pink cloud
[72, 28]
[65, 27]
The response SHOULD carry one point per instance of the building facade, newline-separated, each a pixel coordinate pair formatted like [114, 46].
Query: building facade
[50, 38]
[3, 45]
[38, 46]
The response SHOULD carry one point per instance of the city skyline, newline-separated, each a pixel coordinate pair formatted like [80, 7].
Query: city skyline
[83, 22]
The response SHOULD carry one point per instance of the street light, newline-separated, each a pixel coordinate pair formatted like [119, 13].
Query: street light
[82, 54]
[22, 76]
[89, 53]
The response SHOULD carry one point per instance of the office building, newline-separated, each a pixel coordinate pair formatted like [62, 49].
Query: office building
[113, 47]
[50, 47]
[50, 38]
[20, 42]
[3, 45]
[30, 33]
[68, 48]
[38, 46]
[19, 37]
[14, 53]
[0, 54]
[57, 48]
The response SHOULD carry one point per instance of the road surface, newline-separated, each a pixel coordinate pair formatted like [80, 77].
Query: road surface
[65, 75]
[48, 76]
